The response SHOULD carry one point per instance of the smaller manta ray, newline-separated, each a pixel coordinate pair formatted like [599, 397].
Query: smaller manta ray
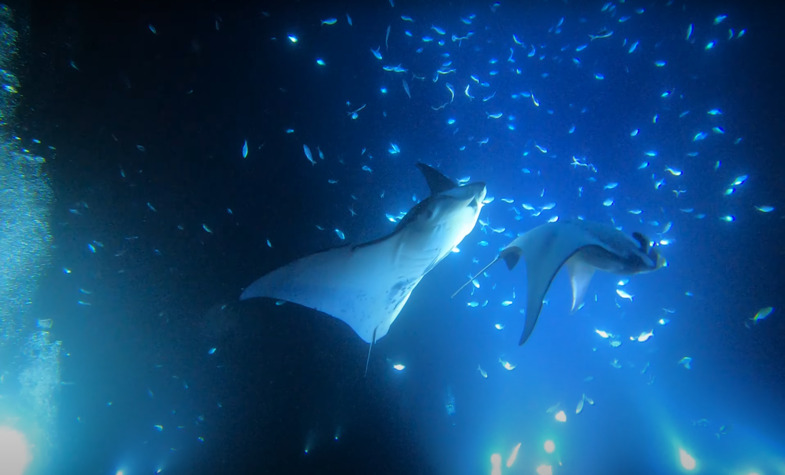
[584, 247]
[367, 285]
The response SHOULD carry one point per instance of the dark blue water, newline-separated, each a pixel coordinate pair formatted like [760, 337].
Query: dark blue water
[646, 127]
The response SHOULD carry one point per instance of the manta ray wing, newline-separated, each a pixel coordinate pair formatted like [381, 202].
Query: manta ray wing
[581, 273]
[544, 249]
[364, 286]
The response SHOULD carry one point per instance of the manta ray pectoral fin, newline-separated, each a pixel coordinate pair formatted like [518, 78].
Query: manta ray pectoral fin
[511, 255]
[437, 182]
[545, 249]
[580, 276]
[643, 241]
[363, 286]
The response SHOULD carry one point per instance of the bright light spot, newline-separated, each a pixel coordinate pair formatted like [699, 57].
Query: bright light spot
[120, 472]
[560, 416]
[513, 455]
[14, 452]
[550, 446]
[544, 470]
[293, 38]
[399, 367]
[496, 464]
[686, 460]
[602, 333]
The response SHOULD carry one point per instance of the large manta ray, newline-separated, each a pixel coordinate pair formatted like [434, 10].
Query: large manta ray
[584, 247]
[367, 285]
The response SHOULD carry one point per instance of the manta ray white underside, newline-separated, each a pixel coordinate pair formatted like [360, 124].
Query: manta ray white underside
[367, 285]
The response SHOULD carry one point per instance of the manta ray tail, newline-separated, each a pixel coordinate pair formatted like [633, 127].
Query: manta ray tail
[368, 359]
[474, 277]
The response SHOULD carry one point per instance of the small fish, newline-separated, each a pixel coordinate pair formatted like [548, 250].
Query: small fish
[377, 53]
[621, 293]
[482, 372]
[308, 154]
[765, 209]
[762, 314]
[507, 365]
[340, 234]
[686, 362]
[406, 88]
[739, 180]
[245, 149]
[673, 171]
[399, 367]
[644, 336]
[330, 21]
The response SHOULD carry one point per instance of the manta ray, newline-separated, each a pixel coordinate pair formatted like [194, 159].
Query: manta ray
[584, 247]
[367, 285]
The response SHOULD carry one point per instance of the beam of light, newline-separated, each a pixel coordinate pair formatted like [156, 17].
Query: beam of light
[686, 460]
[14, 451]
[513, 455]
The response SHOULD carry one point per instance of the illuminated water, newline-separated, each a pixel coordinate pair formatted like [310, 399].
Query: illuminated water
[174, 145]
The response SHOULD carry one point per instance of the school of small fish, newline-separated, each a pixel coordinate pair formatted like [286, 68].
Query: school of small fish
[486, 94]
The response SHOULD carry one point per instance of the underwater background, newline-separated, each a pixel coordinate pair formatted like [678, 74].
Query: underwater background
[158, 158]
